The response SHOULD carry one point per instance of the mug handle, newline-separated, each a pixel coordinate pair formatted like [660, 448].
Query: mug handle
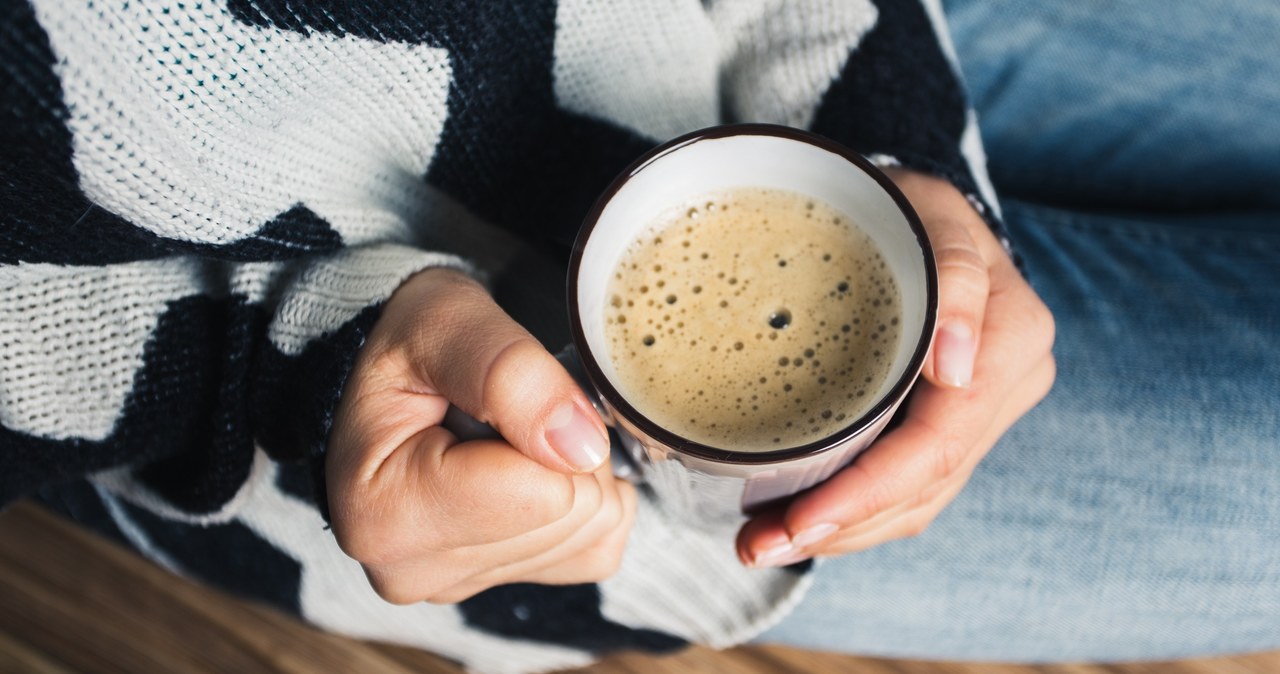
[467, 427]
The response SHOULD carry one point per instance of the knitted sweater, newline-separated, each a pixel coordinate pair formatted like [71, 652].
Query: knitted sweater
[203, 204]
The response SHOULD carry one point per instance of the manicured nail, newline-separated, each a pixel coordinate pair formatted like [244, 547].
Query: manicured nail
[774, 555]
[813, 534]
[573, 435]
[953, 360]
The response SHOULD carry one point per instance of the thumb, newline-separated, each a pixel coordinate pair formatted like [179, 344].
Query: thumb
[963, 286]
[964, 281]
[464, 347]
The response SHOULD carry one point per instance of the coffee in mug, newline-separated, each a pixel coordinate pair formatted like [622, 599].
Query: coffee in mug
[753, 319]
[738, 379]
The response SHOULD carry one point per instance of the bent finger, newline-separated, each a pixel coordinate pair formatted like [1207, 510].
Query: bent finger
[468, 350]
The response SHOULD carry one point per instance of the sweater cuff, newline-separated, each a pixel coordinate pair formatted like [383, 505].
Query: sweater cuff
[899, 100]
[984, 205]
[320, 324]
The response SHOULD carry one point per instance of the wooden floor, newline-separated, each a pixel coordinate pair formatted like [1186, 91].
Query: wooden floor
[71, 602]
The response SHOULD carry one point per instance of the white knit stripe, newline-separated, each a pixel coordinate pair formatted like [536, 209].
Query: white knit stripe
[120, 483]
[336, 595]
[334, 290]
[971, 139]
[883, 160]
[73, 339]
[606, 54]
[257, 281]
[134, 534]
[938, 17]
[690, 583]
[198, 127]
[976, 156]
[779, 57]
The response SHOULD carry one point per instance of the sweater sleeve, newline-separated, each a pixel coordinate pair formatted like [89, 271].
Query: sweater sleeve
[879, 76]
[168, 305]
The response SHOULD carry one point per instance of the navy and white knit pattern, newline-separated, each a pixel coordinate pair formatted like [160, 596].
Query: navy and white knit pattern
[204, 203]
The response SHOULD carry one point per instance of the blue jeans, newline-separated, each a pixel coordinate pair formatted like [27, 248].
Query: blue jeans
[1135, 514]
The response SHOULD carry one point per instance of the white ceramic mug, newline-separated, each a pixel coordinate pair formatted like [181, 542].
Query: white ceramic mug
[711, 485]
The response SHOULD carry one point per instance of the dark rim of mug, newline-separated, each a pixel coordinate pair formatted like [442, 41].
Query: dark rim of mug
[708, 452]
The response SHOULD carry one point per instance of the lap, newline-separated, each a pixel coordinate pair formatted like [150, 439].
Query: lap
[1133, 514]
[1113, 104]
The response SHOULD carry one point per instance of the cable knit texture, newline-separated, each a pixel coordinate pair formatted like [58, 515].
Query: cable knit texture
[203, 205]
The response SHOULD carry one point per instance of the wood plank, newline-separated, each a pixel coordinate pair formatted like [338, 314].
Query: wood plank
[73, 602]
[16, 656]
[119, 613]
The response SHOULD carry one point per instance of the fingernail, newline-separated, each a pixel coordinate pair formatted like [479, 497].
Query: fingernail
[573, 435]
[796, 558]
[955, 352]
[813, 534]
[772, 556]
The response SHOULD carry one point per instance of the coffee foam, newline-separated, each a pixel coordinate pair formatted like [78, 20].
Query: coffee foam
[754, 320]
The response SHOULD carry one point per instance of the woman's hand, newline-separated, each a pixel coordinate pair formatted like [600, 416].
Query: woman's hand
[434, 519]
[990, 364]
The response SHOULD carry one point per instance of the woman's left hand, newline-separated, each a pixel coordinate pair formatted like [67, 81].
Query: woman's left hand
[991, 363]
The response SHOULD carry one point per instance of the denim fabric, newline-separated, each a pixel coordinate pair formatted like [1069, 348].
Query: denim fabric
[1127, 103]
[1135, 513]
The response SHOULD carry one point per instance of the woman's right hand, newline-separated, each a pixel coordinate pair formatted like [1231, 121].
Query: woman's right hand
[434, 519]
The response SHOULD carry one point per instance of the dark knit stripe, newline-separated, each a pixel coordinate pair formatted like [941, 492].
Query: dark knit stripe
[166, 413]
[568, 615]
[79, 501]
[294, 397]
[898, 95]
[228, 556]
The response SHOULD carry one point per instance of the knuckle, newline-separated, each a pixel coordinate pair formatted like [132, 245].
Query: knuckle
[612, 562]
[450, 297]
[1045, 384]
[1044, 325]
[878, 497]
[362, 546]
[529, 501]
[916, 529]
[452, 595]
[605, 516]
[391, 591]
[603, 561]
[448, 304]
[507, 377]
[612, 513]
[928, 494]
[963, 267]
[555, 505]
[589, 497]
[353, 547]
[503, 492]
[377, 545]
[949, 455]
[630, 503]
